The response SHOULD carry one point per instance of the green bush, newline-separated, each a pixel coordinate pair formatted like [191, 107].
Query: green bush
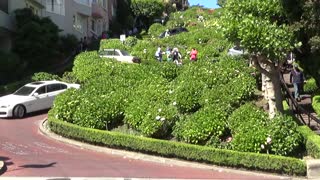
[316, 104]
[112, 44]
[156, 29]
[130, 41]
[151, 110]
[200, 126]
[310, 86]
[312, 141]
[11, 67]
[253, 131]
[44, 76]
[270, 163]
[248, 128]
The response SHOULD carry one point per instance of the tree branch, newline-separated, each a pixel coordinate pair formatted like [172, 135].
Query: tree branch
[258, 66]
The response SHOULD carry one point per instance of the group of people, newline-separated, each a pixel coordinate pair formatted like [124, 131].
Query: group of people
[174, 55]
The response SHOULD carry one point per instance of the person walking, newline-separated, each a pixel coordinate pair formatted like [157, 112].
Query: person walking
[193, 54]
[158, 54]
[176, 56]
[297, 79]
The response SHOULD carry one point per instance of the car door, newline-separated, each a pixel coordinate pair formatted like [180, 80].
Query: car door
[53, 90]
[39, 99]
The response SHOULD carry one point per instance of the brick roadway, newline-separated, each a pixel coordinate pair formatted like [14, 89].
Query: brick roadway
[26, 152]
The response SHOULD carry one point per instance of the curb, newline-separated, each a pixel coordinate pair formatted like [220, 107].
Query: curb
[43, 128]
[313, 169]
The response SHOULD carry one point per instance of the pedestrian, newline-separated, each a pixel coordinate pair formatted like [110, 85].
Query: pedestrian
[85, 44]
[80, 45]
[169, 54]
[193, 54]
[297, 79]
[158, 54]
[176, 56]
[167, 33]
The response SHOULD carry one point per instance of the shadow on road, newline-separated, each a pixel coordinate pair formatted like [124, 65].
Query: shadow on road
[38, 165]
[27, 115]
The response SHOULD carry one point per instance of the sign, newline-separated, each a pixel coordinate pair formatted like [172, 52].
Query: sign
[122, 37]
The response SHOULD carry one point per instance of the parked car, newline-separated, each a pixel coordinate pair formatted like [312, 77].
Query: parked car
[32, 97]
[119, 55]
[235, 51]
[173, 31]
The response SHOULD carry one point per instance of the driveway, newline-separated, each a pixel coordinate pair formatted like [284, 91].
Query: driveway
[27, 152]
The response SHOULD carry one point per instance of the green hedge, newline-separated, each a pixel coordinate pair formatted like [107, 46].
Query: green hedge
[255, 161]
[312, 141]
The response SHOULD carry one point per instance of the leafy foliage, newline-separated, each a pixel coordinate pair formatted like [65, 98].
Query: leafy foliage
[35, 39]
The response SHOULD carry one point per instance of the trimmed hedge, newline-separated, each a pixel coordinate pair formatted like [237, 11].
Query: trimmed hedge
[270, 163]
[312, 141]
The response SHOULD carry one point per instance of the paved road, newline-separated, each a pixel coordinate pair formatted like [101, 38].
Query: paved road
[29, 153]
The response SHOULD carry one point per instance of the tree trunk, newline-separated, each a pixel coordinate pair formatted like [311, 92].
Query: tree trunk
[271, 79]
[274, 93]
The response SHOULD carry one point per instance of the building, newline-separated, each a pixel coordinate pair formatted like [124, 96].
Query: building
[78, 17]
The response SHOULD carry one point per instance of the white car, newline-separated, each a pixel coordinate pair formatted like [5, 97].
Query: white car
[235, 51]
[32, 97]
[119, 55]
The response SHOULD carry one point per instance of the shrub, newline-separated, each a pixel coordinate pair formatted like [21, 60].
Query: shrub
[69, 77]
[311, 140]
[286, 140]
[310, 86]
[112, 44]
[44, 76]
[316, 104]
[156, 29]
[11, 67]
[248, 128]
[130, 41]
[151, 110]
[270, 163]
[200, 126]
[253, 131]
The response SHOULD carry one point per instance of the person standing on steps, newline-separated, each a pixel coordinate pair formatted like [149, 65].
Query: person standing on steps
[297, 79]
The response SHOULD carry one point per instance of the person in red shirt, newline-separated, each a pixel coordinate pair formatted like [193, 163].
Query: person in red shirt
[193, 54]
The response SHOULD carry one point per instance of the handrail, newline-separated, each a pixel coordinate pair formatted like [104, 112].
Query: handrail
[297, 107]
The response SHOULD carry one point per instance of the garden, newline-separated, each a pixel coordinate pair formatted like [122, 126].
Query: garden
[204, 111]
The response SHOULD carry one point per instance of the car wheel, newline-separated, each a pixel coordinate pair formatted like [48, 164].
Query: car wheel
[19, 111]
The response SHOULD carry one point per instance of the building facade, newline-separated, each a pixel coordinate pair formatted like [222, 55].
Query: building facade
[82, 18]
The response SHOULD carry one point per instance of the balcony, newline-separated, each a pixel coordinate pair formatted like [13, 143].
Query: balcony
[98, 11]
[83, 7]
[6, 21]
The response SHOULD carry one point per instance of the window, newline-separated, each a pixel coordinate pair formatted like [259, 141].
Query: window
[56, 87]
[34, 9]
[93, 25]
[116, 53]
[84, 2]
[41, 90]
[55, 6]
[4, 6]
[78, 22]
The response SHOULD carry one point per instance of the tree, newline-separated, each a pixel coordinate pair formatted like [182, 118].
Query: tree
[35, 39]
[304, 18]
[260, 28]
[221, 3]
[147, 10]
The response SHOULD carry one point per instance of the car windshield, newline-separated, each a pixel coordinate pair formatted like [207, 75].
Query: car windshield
[125, 53]
[24, 91]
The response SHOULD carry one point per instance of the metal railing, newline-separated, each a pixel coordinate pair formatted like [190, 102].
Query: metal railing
[297, 108]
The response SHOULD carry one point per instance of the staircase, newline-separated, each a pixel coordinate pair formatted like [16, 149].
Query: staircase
[302, 110]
